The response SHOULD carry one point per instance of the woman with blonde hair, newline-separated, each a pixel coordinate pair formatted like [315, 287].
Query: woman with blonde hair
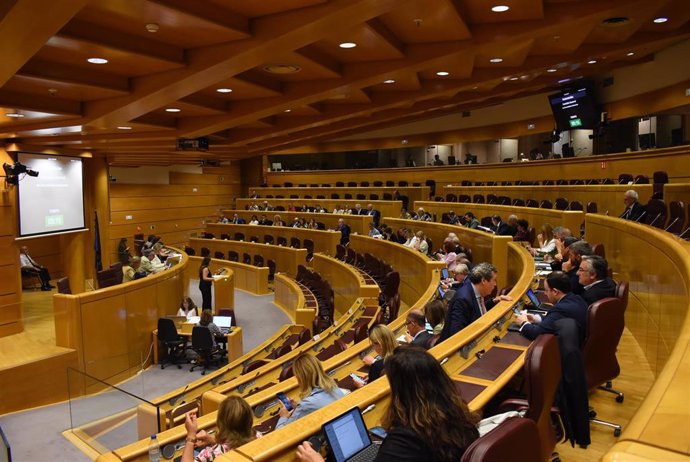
[316, 389]
[234, 423]
[383, 342]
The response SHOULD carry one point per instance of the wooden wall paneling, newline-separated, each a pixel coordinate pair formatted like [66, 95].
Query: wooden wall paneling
[9, 277]
[357, 223]
[46, 251]
[182, 178]
[387, 208]
[169, 190]
[145, 203]
[677, 192]
[156, 215]
[673, 160]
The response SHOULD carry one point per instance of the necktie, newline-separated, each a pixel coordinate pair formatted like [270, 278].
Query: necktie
[482, 306]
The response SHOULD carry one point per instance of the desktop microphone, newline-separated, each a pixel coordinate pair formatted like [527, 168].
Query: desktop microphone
[641, 216]
[655, 219]
[671, 224]
[681, 235]
[625, 212]
[175, 399]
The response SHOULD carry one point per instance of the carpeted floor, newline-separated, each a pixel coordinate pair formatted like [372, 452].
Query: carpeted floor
[37, 434]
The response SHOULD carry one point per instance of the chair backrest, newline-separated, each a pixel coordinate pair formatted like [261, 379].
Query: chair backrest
[625, 178]
[271, 267]
[189, 251]
[202, 338]
[268, 239]
[576, 205]
[295, 243]
[361, 332]
[285, 373]
[63, 286]
[253, 366]
[219, 255]
[176, 415]
[622, 290]
[532, 203]
[546, 204]
[605, 323]
[656, 213]
[304, 336]
[478, 199]
[167, 331]
[513, 436]
[233, 256]
[676, 211]
[258, 261]
[599, 249]
[393, 307]
[205, 252]
[239, 236]
[246, 259]
[108, 277]
[592, 207]
[543, 373]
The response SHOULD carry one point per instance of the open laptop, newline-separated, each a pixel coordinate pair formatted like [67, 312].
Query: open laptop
[349, 439]
[537, 305]
[224, 323]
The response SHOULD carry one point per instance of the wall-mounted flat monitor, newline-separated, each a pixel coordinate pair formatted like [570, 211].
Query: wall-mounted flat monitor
[575, 108]
[53, 201]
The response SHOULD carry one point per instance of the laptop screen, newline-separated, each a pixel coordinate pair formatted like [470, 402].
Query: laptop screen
[223, 321]
[533, 299]
[347, 435]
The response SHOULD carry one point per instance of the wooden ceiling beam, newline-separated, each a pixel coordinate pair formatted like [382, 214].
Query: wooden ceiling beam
[273, 34]
[30, 102]
[132, 44]
[208, 11]
[31, 23]
[58, 72]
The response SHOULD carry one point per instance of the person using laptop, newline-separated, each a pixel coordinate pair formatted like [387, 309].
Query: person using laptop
[316, 389]
[206, 320]
[187, 308]
[565, 305]
[439, 431]
[234, 422]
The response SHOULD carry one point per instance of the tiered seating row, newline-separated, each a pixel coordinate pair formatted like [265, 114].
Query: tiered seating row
[357, 223]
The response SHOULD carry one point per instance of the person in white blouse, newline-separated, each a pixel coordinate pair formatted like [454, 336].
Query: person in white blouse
[187, 308]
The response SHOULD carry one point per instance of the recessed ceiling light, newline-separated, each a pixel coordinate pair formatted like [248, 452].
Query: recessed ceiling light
[124, 127]
[281, 68]
[173, 109]
[632, 53]
[97, 60]
[14, 115]
[224, 90]
[552, 70]
[475, 88]
[152, 27]
[513, 78]
[389, 81]
[288, 110]
[347, 45]
[443, 73]
[500, 8]
[592, 61]
[660, 20]
[496, 60]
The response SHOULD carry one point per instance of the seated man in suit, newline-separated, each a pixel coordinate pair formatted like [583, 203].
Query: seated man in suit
[375, 214]
[594, 277]
[29, 265]
[237, 220]
[416, 332]
[150, 263]
[576, 251]
[633, 209]
[470, 220]
[358, 210]
[501, 228]
[468, 303]
[565, 305]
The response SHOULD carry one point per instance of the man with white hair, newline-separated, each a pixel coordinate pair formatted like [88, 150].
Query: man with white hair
[634, 211]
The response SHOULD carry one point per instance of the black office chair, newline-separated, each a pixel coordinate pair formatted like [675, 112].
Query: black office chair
[203, 345]
[174, 343]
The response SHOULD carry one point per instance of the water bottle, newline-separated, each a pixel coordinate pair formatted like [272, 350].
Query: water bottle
[154, 450]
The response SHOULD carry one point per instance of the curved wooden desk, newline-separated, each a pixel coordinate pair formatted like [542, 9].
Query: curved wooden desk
[111, 328]
[286, 258]
[535, 217]
[324, 241]
[357, 223]
[608, 197]
[414, 193]
[657, 264]
[385, 207]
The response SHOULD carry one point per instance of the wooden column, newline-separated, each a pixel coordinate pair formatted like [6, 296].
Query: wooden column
[73, 247]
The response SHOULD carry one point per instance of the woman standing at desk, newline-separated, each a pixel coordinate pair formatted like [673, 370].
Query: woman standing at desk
[205, 283]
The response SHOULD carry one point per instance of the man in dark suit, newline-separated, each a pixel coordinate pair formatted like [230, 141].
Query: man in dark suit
[565, 305]
[576, 251]
[416, 331]
[344, 232]
[594, 277]
[500, 227]
[469, 303]
[634, 211]
[236, 219]
[375, 214]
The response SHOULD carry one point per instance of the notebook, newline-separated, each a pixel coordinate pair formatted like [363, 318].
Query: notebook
[349, 439]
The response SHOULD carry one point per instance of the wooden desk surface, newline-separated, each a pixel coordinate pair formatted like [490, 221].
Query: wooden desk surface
[357, 223]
